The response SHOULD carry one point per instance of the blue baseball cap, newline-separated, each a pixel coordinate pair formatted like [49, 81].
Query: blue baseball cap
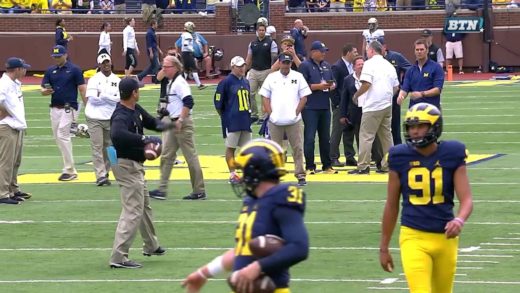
[318, 45]
[58, 51]
[15, 62]
[285, 57]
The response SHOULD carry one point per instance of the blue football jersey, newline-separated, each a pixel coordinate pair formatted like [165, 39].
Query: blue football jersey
[232, 99]
[427, 184]
[256, 219]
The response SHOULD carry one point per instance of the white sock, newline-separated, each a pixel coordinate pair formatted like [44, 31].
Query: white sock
[196, 78]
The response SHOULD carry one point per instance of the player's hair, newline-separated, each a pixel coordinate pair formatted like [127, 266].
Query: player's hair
[261, 24]
[128, 20]
[421, 41]
[347, 49]
[58, 21]
[152, 22]
[376, 46]
[104, 25]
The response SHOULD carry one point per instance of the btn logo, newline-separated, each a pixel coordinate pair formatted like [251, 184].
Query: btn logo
[464, 24]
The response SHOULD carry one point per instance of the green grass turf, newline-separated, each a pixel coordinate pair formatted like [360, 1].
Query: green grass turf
[67, 245]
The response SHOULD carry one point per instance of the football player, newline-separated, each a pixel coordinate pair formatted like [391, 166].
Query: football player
[371, 34]
[232, 104]
[269, 207]
[428, 173]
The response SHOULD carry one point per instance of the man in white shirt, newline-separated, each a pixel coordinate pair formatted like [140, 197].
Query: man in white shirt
[284, 95]
[180, 103]
[379, 83]
[103, 96]
[12, 128]
[371, 34]
[130, 47]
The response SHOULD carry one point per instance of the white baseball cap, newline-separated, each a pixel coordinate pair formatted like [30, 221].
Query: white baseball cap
[101, 58]
[237, 61]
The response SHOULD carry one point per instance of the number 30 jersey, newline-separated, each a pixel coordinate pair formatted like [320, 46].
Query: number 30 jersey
[427, 184]
[268, 215]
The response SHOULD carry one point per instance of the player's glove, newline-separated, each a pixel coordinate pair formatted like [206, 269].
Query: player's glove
[151, 139]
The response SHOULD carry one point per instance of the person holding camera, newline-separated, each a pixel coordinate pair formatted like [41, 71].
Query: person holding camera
[126, 132]
[63, 81]
[287, 47]
[179, 104]
[299, 34]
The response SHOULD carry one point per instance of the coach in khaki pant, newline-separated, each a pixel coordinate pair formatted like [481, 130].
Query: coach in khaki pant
[63, 81]
[126, 132]
[12, 127]
[102, 95]
[180, 103]
[379, 83]
[284, 95]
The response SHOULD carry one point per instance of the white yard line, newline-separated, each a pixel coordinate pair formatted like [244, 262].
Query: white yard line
[239, 200]
[506, 238]
[215, 222]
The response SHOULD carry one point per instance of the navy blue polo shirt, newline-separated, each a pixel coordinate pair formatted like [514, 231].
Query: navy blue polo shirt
[64, 81]
[299, 39]
[314, 73]
[453, 37]
[418, 80]
[400, 63]
[151, 39]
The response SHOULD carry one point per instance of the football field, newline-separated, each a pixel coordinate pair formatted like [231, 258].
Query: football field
[60, 240]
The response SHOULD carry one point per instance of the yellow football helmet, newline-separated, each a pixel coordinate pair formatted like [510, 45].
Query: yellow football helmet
[259, 160]
[423, 113]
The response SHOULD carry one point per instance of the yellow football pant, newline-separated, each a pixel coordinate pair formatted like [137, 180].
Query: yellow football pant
[429, 260]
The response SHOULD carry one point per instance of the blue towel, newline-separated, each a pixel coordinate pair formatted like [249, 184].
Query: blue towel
[112, 155]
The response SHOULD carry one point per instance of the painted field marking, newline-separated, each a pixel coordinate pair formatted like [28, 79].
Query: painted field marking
[470, 249]
[219, 222]
[477, 261]
[387, 288]
[473, 282]
[506, 238]
[469, 268]
[487, 255]
[500, 244]
[389, 281]
[239, 200]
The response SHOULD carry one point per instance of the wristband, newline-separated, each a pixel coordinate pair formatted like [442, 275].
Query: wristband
[423, 94]
[215, 266]
[201, 273]
[459, 220]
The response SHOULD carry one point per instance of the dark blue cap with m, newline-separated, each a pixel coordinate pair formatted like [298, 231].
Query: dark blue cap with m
[15, 62]
[318, 45]
[58, 51]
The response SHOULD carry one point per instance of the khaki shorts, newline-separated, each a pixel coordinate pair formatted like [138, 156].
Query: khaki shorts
[454, 49]
[237, 139]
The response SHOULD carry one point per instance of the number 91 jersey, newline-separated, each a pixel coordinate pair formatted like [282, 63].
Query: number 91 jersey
[259, 217]
[427, 184]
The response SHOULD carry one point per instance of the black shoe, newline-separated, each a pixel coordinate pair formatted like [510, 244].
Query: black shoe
[195, 196]
[351, 162]
[129, 264]
[381, 171]
[158, 251]
[337, 163]
[67, 177]
[17, 198]
[103, 181]
[302, 182]
[22, 194]
[8, 200]
[360, 172]
[260, 121]
[254, 119]
[313, 171]
[201, 86]
[157, 194]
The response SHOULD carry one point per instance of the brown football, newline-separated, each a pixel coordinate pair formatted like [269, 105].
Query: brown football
[265, 245]
[263, 284]
[152, 151]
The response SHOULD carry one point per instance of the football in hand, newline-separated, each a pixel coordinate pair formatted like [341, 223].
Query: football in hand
[152, 151]
[265, 245]
[263, 284]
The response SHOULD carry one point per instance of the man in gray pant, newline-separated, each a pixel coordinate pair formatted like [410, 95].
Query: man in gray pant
[126, 132]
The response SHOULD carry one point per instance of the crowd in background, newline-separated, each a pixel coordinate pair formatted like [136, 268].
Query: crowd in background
[208, 6]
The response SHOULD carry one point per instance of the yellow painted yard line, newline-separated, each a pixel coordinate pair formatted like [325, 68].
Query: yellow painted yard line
[215, 168]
